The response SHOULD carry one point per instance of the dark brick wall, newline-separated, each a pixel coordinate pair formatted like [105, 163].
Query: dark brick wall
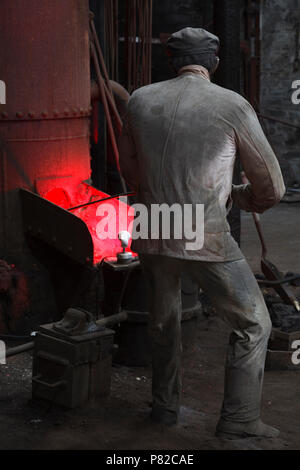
[279, 68]
[170, 16]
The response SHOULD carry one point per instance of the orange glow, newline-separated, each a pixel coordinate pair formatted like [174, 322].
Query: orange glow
[85, 193]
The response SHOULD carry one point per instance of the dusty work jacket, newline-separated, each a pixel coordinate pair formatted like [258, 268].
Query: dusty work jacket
[179, 145]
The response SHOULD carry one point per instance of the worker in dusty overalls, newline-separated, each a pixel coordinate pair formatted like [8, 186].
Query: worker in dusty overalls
[179, 145]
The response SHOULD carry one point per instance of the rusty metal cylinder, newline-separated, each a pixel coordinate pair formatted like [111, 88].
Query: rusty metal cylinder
[44, 125]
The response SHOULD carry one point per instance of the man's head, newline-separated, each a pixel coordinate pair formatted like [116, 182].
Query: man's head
[193, 46]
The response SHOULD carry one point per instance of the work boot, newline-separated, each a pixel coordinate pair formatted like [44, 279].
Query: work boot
[163, 416]
[237, 430]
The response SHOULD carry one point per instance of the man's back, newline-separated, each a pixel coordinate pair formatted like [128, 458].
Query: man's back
[185, 141]
[186, 132]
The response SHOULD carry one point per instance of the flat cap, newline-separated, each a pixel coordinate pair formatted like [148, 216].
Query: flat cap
[192, 41]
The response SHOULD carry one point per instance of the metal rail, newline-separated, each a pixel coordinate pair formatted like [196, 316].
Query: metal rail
[107, 321]
[20, 349]
[280, 121]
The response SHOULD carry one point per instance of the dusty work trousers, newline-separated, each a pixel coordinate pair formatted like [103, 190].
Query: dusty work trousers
[234, 292]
